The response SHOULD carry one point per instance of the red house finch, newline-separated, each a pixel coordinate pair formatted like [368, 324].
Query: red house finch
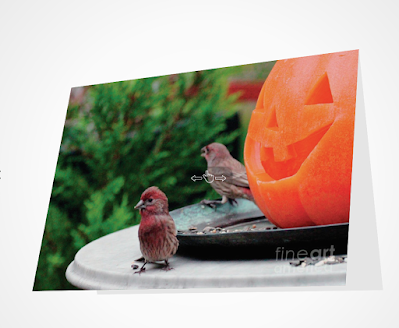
[226, 175]
[157, 231]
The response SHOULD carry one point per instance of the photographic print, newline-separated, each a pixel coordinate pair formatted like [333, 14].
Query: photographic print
[228, 177]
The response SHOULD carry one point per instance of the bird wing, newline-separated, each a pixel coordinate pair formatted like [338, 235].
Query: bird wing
[234, 172]
[169, 224]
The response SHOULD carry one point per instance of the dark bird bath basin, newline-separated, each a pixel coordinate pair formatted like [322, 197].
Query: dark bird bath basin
[244, 232]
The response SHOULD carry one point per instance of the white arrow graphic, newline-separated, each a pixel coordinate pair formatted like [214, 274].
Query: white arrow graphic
[195, 178]
[221, 178]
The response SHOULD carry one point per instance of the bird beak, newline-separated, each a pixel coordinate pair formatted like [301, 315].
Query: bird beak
[203, 152]
[140, 205]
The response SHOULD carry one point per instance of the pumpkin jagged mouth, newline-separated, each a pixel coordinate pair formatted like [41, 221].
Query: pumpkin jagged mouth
[301, 150]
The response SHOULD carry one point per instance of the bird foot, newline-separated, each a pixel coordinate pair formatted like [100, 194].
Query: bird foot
[232, 201]
[210, 203]
[167, 268]
[140, 271]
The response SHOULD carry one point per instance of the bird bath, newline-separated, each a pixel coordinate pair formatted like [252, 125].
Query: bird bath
[241, 258]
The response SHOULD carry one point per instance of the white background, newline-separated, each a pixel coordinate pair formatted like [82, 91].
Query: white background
[48, 47]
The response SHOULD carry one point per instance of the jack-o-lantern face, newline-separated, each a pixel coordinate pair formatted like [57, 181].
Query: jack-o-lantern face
[299, 147]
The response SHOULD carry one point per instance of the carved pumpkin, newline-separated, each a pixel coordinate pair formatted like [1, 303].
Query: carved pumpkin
[299, 147]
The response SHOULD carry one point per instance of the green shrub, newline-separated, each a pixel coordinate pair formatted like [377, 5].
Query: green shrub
[123, 138]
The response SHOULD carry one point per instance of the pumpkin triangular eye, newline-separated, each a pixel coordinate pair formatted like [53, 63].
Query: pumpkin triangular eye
[320, 93]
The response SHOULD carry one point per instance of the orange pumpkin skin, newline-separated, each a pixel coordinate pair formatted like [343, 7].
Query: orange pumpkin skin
[299, 147]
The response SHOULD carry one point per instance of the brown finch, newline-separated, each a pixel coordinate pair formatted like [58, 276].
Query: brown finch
[227, 175]
[157, 231]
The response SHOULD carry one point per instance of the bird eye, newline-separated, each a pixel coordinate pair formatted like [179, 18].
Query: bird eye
[207, 149]
[150, 200]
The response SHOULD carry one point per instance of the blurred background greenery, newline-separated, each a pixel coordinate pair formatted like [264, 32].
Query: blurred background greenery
[120, 138]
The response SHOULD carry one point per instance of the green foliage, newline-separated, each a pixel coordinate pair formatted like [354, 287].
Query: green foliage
[56, 253]
[124, 138]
